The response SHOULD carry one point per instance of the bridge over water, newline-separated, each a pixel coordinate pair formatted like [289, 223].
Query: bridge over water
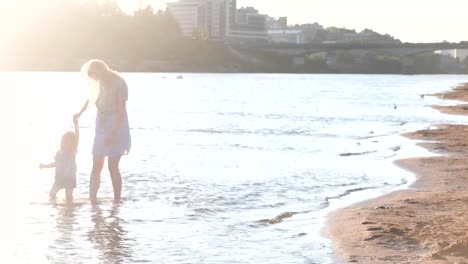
[394, 48]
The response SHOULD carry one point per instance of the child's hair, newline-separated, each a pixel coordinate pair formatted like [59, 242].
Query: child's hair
[68, 136]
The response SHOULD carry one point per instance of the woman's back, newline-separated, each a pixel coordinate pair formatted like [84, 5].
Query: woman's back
[111, 94]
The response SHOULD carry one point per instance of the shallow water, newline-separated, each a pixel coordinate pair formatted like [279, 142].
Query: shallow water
[212, 156]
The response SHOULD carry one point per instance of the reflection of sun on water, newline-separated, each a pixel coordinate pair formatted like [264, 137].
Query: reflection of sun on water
[9, 156]
[34, 116]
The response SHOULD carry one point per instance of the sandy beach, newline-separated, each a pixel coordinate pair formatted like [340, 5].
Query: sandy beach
[428, 223]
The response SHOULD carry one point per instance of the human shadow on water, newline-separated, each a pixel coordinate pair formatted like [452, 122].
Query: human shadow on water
[108, 236]
[59, 250]
[65, 219]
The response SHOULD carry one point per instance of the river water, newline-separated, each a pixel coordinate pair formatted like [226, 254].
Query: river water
[214, 157]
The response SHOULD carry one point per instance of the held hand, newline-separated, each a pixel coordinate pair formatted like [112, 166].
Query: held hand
[76, 117]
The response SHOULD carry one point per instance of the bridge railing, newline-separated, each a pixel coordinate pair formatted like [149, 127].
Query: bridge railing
[346, 46]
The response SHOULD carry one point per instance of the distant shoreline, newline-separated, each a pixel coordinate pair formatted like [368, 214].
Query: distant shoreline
[281, 66]
[231, 72]
[424, 224]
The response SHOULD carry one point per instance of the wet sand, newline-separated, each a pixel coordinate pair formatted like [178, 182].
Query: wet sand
[427, 223]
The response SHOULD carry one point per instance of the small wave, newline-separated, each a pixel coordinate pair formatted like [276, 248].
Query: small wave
[372, 135]
[207, 131]
[332, 136]
[345, 193]
[276, 205]
[206, 211]
[357, 154]
[395, 149]
[235, 114]
[348, 192]
[263, 132]
[239, 146]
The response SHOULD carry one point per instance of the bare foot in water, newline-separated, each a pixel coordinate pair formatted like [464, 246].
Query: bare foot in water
[94, 201]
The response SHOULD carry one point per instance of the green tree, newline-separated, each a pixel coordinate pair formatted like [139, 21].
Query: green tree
[428, 63]
[345, 57]
[373, 62]
[73, 30]
[200, 33]
[316, 64]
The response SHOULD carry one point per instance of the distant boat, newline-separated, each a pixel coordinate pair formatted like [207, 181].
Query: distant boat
[180, 77]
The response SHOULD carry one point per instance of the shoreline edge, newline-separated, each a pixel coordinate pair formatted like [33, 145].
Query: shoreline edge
[423, 224]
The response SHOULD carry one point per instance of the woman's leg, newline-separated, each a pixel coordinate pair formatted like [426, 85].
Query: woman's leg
[95, 180]
[69, 195]
[113, 163]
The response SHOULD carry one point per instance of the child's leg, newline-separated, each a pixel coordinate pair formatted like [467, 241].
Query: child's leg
[69, 195]
[53, 192]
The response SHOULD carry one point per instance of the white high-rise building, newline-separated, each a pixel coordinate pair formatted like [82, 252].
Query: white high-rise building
[220, 19]
[461, 54]
[249, 26]
[216, 17]
[212, 15]
[455, 53]
[186, 13]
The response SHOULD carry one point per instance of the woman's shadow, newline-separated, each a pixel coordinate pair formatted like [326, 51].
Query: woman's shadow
[108, 236]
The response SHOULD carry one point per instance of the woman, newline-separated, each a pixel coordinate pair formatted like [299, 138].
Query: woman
[112, 134]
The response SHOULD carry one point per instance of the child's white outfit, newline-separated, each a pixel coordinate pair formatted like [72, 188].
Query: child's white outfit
[65, 170]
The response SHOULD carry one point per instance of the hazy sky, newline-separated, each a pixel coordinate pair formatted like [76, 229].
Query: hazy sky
[408, 20]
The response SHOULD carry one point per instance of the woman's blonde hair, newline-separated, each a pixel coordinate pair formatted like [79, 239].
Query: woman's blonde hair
[95, 70]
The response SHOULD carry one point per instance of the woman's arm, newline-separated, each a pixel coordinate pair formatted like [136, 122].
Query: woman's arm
[83, 109]
[77, 133]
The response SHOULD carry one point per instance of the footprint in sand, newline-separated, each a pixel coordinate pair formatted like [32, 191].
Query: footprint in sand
[373, 237]
[375, 229]
[397, 231]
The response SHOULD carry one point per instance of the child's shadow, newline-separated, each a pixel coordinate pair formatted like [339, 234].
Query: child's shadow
[66, 225]
[109, 236]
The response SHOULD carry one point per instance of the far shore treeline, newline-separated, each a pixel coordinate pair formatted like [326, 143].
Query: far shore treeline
[61, 36]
